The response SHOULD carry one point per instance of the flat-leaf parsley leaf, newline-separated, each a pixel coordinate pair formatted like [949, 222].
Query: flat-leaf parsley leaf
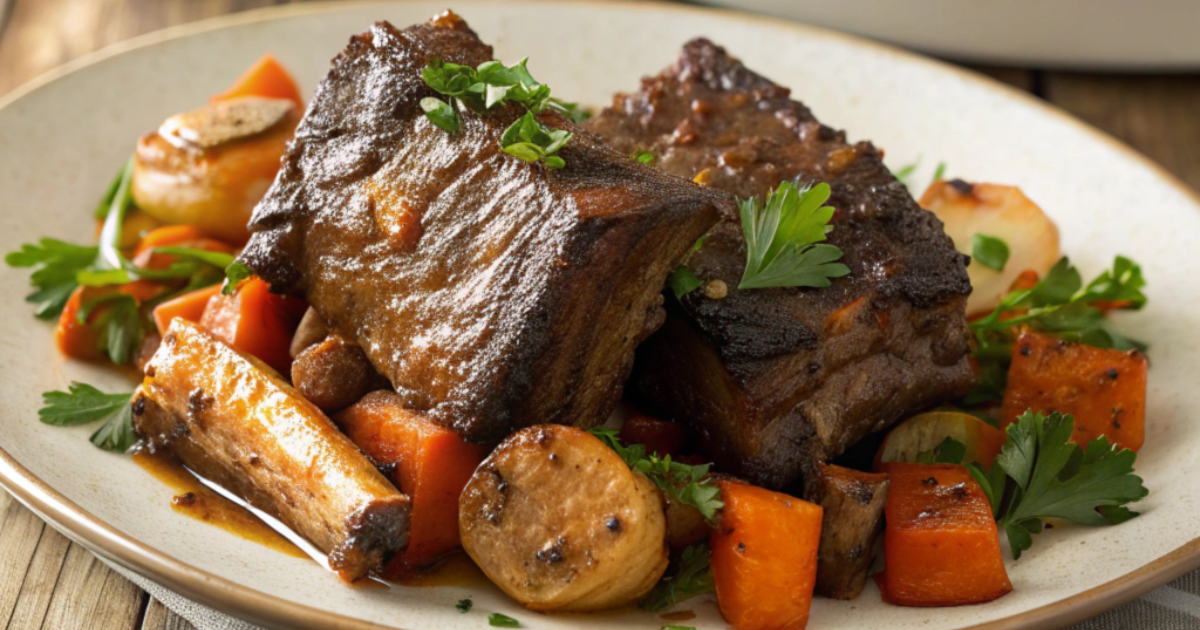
[683, 483]
[783, 239]
[1041, 474]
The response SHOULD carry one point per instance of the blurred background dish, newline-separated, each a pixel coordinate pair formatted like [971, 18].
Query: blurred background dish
[1093, 34]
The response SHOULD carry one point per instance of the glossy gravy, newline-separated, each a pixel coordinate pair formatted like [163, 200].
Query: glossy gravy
[198, 501]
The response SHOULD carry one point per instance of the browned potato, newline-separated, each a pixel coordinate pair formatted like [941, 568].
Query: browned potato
[232, 419]
[210, 166]
[1000, 211]
[559, 522]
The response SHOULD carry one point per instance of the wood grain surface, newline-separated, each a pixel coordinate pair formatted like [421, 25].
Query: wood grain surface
[48, 582]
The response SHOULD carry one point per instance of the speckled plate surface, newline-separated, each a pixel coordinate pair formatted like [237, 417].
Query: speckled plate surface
[62, 138]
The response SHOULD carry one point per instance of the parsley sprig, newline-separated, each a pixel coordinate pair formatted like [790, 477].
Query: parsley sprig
[692, 578]
[783, 239]
[1061, 305]
[1041, 474]
[683, 483]
[82, 404]
[490, 85]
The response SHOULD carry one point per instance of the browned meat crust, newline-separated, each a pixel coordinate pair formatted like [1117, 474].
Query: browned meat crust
[234, 421]
[853, 503]
[776, 380]
[493, 293]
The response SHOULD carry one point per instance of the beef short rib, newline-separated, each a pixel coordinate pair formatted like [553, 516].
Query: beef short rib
[776, 380]
[493, 293]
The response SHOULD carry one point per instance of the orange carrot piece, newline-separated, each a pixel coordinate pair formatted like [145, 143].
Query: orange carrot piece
[267, 78]
[189, 306]
[659, 436]
[432, 466]
[764, 558]
[941, 546]
[81, 340]
[255, 321]
[1104, 389]
[78, 340]
[168, 236]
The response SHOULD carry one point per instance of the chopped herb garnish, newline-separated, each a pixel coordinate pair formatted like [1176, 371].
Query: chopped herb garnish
[55, 265]
[491, 84]
[692, 578]
[234, 274]
[906, 171]
[783, 239]
[82, 404]
[441, 113]
[530, 140]
[117, 434]
[949, 451]
[1041, 474]
[1059, 305]
[464, 605]
[570, 110]
[502, 621]
[682, 280]
[940, 172]
[643, 156]
[682, 483]
[989, 251]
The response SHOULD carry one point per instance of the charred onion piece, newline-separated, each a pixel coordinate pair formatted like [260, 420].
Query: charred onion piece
[334, 374]
[559, 522]
[233, 420]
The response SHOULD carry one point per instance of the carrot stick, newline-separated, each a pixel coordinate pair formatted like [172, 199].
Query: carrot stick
[432, 466]
[941, 546]
[255, 321]
[266, 78]
[189, 306]
[764, 558]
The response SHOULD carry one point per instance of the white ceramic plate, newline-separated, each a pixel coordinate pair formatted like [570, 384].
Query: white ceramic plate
[62, 138]
[1102, 34]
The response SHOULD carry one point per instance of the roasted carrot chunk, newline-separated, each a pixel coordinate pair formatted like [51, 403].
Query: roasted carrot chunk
[267, 78]
[189, 306]
[432, 466]
[174, 236]
[255, 321]
[81, 340]
[764, 558]
[1104, 389]
[659, 436]
[941, 546]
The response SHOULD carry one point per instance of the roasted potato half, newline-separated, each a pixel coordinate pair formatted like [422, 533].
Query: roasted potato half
[210, 166]
[1003, 212]
[559, 522]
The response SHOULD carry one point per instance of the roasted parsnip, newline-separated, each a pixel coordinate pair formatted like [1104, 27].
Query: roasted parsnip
[233, 420]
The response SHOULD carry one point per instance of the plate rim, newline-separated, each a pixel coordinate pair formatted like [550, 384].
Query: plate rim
[247, 603]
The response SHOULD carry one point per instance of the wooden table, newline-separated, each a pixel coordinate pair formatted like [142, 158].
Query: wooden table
[48, 582]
